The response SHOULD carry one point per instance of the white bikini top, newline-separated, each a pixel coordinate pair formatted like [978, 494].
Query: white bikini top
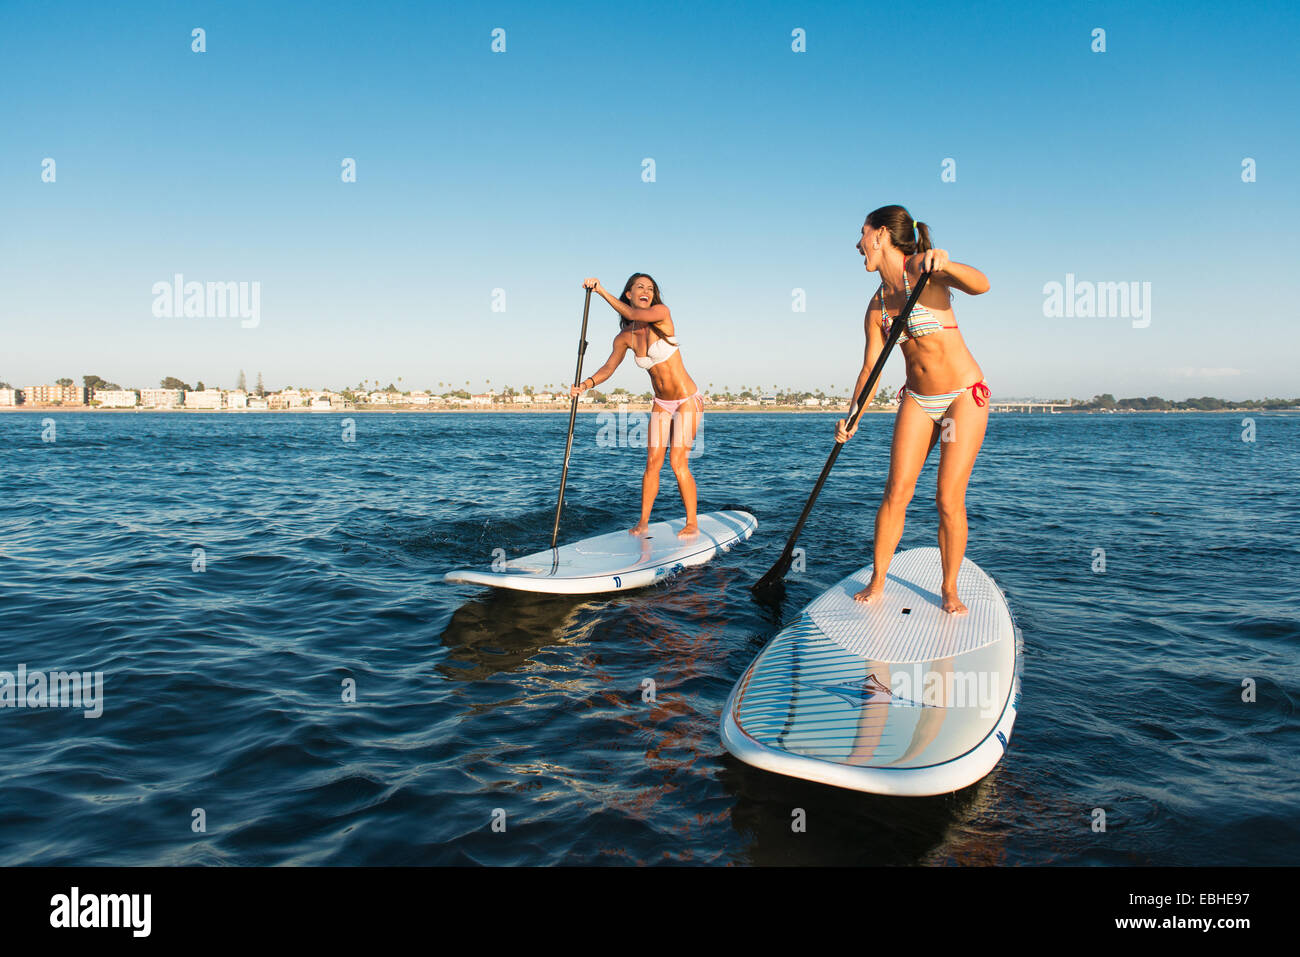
[659, 351]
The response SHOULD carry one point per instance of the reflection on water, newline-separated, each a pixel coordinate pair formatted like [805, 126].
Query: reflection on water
[500, 630]
[324, 565]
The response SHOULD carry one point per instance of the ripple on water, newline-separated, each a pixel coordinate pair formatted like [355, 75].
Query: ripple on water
[324, 698]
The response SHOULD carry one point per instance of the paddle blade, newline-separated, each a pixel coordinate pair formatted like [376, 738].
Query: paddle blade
[775, 577]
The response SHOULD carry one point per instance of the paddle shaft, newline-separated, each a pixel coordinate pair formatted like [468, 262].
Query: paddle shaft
[777, 571]
[573, 414]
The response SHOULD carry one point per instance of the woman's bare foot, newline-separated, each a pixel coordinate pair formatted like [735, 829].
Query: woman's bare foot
[952, 604]
[871, 593]
[690, 531]
[640, 529]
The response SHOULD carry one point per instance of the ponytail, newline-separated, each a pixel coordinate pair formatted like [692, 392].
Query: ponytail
[923, 238]
[906, 233]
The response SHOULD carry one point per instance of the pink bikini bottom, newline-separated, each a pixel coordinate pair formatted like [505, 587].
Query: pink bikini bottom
[672, 405]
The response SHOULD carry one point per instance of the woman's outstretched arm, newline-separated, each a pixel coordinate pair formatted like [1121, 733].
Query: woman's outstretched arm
[631, 313]
[875, 344]
[605, 371]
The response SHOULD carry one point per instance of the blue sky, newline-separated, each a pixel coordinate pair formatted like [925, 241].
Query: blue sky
[522, 171]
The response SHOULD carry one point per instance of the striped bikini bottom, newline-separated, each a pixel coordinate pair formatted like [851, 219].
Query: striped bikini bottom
[936, 406]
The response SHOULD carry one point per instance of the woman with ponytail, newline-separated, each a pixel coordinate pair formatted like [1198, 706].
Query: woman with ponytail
[945, 397]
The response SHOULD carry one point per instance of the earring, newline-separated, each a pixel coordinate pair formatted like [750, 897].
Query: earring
[876, 244]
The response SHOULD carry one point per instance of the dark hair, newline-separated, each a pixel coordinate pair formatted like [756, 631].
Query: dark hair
[654, 300]
[627, 286]
[899, 221]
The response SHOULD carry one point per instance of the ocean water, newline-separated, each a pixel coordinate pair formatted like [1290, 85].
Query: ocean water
[233, 576]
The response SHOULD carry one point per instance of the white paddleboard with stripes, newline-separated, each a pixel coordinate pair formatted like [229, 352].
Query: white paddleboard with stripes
[617, 561]
[894, 697]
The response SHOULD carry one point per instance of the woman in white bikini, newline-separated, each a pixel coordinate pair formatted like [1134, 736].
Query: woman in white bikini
[944, 398]
[647, 331]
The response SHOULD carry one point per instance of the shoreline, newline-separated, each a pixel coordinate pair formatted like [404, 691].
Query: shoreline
[628, 407]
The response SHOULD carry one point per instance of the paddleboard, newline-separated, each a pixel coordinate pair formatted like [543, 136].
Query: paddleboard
[617, 561]
[895, 697]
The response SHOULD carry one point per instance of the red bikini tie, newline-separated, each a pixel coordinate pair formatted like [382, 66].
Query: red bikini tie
[975, 392]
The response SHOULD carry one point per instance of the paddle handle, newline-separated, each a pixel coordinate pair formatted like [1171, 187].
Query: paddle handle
[573, 414]
[777, 571]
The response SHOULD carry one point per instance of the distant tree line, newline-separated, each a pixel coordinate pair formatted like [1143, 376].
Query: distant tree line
[1206, 403]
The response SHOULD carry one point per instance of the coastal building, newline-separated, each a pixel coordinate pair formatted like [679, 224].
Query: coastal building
[9, 397]
[419, 398]
[543, 397]
[378, 398]
[482, 399]
[208, 399]
[54, 395]
[258, 403]
[116, 398]
[236, 399]
[320, 404]
[161, 398]
[288, 399]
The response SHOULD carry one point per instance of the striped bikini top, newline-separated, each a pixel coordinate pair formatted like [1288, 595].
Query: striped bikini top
[920, 323]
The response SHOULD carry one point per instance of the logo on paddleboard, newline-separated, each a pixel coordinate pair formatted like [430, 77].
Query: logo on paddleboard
[1003, 738]
[618, 582]
[661, 570]
[870, 690]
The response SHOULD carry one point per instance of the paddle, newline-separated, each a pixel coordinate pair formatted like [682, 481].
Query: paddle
[777, 572]
[573, 413]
